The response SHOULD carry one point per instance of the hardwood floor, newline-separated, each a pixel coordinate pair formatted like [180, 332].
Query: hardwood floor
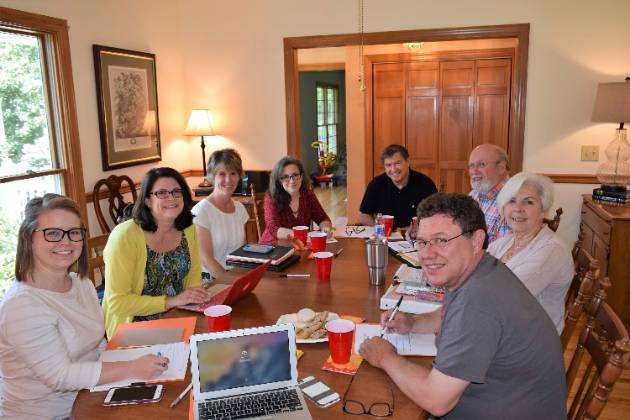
[334, 200]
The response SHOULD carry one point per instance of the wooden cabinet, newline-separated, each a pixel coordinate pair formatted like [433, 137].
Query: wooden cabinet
[440, 109]
[606, 232]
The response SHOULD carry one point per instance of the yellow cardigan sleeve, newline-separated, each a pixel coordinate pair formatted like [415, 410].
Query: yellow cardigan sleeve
[193, 278]
[125, 257]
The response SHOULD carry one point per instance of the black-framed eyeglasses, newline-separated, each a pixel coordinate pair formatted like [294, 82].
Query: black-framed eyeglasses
[376, 409]
[56, 234]
[292, 177]
[354, 230]
[437, 242]
[163, 194]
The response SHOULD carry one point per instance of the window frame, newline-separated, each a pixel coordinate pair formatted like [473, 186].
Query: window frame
[335, 88]
[59, 93]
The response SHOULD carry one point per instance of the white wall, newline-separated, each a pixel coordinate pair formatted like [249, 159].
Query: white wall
[228, 56]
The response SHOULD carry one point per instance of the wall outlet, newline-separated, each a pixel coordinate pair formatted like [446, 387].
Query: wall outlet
[590, 153]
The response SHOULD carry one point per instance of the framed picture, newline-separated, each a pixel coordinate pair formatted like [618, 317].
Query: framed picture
[126, 90]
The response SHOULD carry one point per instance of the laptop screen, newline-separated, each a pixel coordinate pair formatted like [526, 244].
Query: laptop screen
[235, 362]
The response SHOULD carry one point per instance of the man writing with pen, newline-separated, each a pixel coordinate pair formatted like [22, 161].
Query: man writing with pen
[498, 354]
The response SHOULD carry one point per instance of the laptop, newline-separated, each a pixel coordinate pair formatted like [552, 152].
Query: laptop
[247, 373]
[226, 294]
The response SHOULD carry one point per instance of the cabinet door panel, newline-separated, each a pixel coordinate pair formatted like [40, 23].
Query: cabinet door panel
[389, 109]
[492, 102]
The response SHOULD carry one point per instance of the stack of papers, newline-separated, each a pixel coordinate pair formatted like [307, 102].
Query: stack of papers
[177, 354]
[412, 344]
[364, 232]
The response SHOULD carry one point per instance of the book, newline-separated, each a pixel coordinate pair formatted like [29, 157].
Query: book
[187, 324]
[252, 265]
[411, 304]
[621, 194]
[611, 200]
[277, 255]
[412, 344]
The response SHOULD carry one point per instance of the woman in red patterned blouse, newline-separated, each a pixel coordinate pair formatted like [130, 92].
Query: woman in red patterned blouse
[290, 202]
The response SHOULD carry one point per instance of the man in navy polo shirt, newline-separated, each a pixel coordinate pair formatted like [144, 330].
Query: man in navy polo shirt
[397, 192]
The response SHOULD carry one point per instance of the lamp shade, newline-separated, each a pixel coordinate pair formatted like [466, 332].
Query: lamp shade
[612, 103]
[199, 123]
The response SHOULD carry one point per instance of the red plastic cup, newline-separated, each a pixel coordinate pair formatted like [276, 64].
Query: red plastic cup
[300, 232]
[388, 223]
[218, 317]
[340, 337]
[323, 264]
[414, 227]
[318, 241]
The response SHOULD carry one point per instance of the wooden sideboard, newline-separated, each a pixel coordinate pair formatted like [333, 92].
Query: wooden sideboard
[606, 231]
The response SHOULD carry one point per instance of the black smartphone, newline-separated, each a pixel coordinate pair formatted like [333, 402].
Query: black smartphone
[133, 395]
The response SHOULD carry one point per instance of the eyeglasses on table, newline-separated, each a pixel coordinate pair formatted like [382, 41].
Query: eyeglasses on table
[376, 409]
[354, 230]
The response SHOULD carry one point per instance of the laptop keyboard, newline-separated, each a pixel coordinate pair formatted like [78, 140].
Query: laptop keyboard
[250, 405]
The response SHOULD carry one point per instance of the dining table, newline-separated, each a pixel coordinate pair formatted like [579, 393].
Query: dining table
[347, 293]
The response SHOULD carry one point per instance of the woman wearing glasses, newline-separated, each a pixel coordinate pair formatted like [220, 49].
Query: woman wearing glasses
[219, 220]
[531, 250]
[152, 261]
[51, 325]
[291, 202]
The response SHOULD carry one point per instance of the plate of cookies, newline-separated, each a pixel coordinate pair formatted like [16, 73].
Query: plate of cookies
[309, 324]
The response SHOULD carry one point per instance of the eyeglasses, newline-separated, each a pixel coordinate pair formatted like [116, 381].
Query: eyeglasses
[437, 242]
[292, 177]
[350, 230]
[481, 164]
[163, 194]
[56, 234]
[377, 409]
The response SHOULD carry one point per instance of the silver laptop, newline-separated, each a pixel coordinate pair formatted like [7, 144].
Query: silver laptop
[248, 373]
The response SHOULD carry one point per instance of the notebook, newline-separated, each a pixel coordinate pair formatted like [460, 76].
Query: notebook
[280, 267]
[231, 294]
[240, 370]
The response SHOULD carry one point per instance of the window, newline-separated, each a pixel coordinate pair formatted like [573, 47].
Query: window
[327, 117]
[39, 144]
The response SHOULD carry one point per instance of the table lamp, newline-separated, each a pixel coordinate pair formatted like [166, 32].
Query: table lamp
[612, 104]
[200, 124]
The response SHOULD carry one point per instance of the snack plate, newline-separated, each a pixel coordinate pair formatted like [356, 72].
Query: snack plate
[292, 319]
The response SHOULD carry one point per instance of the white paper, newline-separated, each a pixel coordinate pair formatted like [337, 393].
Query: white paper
[366, 232]
[408, 274]
[177, 354]
[412, 344]
[401, 246]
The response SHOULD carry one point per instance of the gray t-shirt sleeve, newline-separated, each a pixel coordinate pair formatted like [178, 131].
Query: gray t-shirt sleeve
[468, 343]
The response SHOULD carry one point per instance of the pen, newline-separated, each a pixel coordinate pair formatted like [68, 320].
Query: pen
[181, 396]
[393, 314]
[338, 252]
[295, 275]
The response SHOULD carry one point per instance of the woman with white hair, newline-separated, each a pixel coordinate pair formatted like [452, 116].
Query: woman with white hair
[531, 250]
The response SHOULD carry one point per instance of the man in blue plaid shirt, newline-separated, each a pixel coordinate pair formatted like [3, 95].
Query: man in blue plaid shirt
[487, 167]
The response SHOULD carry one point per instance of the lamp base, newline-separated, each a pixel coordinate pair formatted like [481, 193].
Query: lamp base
[205, 184]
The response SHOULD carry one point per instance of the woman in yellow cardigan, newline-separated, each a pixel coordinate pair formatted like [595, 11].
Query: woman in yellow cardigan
[152, 261]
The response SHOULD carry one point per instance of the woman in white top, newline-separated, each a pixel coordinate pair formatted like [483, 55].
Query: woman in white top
[219, 220]
[531, 250]
[51, 325]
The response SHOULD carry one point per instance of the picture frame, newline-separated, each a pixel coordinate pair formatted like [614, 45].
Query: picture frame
[126, 90]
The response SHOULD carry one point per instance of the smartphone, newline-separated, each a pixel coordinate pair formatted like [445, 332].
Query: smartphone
[258, 248]
[318, 392]
[133, 395]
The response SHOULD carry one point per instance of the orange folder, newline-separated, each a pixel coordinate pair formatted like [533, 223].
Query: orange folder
[187, 323]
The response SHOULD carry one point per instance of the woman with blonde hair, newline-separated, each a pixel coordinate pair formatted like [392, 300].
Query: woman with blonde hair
[51, 325]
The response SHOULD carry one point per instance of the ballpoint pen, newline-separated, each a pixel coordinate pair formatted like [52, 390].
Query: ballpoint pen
[295, 275]
[339, 251]
[181, 396]
[393, 314]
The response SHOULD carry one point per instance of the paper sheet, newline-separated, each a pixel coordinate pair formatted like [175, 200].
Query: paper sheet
[413, 344]
[401, 246]
[408, 274]
[177, 354]
[364, 232]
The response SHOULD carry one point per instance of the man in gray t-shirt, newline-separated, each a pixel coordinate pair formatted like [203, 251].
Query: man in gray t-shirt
[498, 353]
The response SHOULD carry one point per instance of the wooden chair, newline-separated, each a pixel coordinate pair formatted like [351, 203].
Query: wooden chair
[582, 289]
[112, 189]
[555, 222]
[96, 265]
[257, 204]
[605, 340]
[579, 243]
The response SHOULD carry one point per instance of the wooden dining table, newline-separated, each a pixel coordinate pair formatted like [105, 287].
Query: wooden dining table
[347, 293]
